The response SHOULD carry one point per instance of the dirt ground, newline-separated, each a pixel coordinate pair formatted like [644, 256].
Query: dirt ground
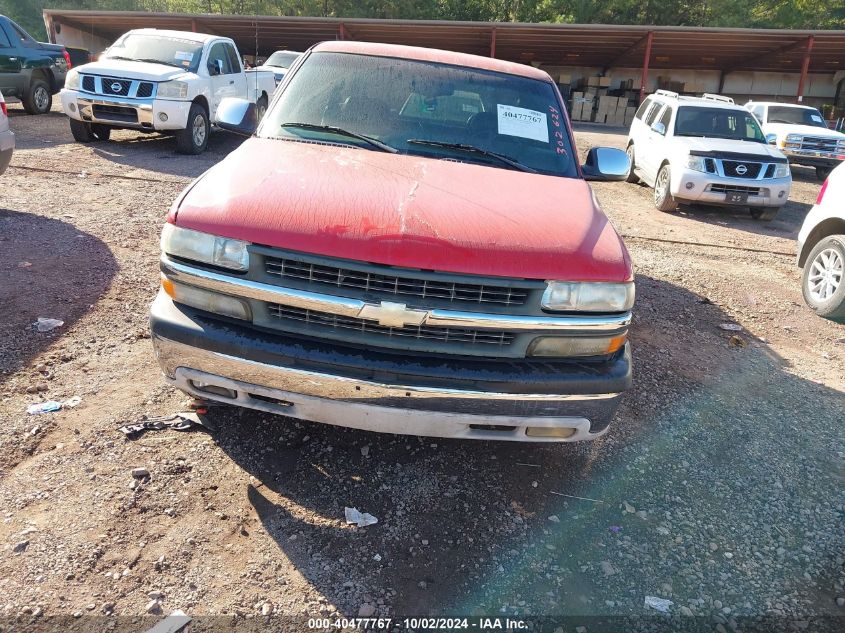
[719, 487]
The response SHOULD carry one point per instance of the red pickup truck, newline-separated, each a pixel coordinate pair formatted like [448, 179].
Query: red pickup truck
[405, 244]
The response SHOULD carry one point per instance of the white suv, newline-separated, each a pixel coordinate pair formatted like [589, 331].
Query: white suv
[7, 137]
[706, 150]
[821, 250]
[802, 134]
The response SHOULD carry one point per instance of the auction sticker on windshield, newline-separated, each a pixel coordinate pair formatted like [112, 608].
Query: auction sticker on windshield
[183, 57]
[522, 122]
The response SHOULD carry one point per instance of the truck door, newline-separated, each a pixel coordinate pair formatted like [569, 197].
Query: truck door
[649, 159]
[220, 75]
[11, 80]
[238, 77]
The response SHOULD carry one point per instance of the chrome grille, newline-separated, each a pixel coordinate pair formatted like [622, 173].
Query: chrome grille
[391, 284]
[112, 86]
[819, 144]
[145, 89]
[751, 191]
[324, 320]
[752, 170]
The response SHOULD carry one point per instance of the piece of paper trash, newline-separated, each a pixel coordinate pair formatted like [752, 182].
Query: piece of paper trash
[361, 519]
[658, 604]
[45, 325]
[44, 407]
[730, 327]
[173, 623]
[70, 403]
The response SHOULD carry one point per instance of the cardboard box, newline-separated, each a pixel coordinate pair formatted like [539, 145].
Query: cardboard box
[604, 82]
[593, 81]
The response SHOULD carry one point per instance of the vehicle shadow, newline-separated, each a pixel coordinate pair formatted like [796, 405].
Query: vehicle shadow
[711, 444]
[157, 152]
[51, 270]
[786, 224]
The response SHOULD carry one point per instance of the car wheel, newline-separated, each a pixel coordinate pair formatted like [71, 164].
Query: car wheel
[38, 99]
[822, 281]
[766, 214]
[632, 176]
[663, 198]
[823, 172]
[194, 138]
[261, 108]
[100, 132]
[81, 131]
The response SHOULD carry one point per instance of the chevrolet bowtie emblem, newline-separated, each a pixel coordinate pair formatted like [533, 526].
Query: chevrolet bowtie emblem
[389, 314]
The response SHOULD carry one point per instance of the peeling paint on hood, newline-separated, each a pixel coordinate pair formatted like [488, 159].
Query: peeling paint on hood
[407, 211]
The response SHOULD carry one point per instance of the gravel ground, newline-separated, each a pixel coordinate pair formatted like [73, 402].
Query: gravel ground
[719, 486]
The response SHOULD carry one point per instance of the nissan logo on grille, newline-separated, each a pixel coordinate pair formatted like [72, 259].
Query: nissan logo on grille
[116, 86]
[741, 169]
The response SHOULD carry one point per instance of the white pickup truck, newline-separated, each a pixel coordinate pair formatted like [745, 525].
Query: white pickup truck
[161, 81]
[801, 133]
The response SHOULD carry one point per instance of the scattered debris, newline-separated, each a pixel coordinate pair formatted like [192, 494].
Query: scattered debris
[531, 465]
[616, 529]
[44, 407]
[366, 610]
[361, 519]
[628, 508]
[70, 403]
[365, 450]
[20, 547]
[153, 606]
[140, 473]
[184, 421]
[658, 604]
[737, 341]
[377, 558]
[560, 494]
[24, 265]
[520, 510]
[730, 327]
[607, 568]
[45, 325]
[554, 519]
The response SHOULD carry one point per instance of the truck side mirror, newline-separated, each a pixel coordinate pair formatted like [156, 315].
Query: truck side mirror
[237, 115]
[606, 163]
[772, 139]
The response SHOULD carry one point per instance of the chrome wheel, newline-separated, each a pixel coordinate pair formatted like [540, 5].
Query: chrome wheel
[41, 98]
[199, 130]
[825, 275]
[661, 187]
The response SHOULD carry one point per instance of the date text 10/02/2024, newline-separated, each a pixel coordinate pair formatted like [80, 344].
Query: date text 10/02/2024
[418, 624]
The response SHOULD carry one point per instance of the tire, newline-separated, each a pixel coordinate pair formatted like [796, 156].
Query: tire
[663, 198]
[194, 138]
[38, 98]
[764, 214]
[89, 132]
[823, 279]
[631, 177]
[260, 108]
[81, 131]
[823, 172]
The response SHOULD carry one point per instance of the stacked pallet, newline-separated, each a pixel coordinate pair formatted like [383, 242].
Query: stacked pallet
[582, 106]
[614, 111]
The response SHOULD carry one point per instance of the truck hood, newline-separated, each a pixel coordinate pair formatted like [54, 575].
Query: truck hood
[782, 129]
[720, 145]
[406, 211]
[122, 69]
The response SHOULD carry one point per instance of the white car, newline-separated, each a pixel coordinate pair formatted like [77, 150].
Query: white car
[7, 137]
[801, 133]
[706, 150]
[279, 63]
[161, 81]
[821, 250]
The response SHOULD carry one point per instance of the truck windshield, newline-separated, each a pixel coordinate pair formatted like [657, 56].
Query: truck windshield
[718, 123]
[157, 49]
[796, 116]
[425, 109]
[282, 59]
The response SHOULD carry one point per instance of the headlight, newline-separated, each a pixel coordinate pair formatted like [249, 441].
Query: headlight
[72, 79]
[841, 143]
[205, 248]
[793, 138]
[781, 170]
[697, 163]
[173, 90]
[588, 297]
[570, 346]
[206, 300]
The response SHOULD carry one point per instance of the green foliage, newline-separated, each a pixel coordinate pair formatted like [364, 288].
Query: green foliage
[793, 14]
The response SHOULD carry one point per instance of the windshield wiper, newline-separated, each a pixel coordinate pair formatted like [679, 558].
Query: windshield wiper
[463, 147]
[158, 61]
[341, 132]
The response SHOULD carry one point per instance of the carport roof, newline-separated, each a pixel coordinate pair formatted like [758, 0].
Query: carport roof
[598, 45]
